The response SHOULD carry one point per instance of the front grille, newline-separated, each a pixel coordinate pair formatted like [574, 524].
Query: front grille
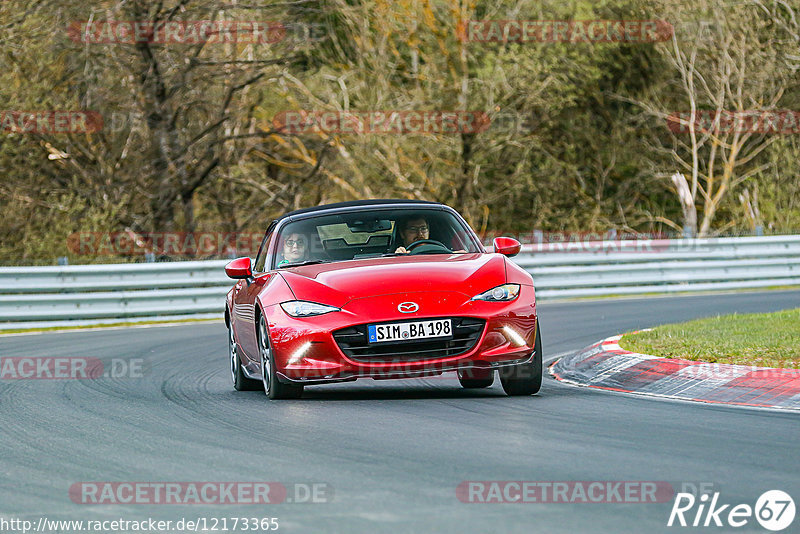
[353, 342]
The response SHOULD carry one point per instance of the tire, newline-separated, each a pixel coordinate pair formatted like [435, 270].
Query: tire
[274, 388]
[526, 378]
[240, 380]
[476, 378]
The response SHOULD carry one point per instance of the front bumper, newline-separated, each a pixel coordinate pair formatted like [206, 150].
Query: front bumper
[306, 351]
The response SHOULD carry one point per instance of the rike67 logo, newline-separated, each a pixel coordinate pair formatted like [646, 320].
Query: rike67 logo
[774, 510]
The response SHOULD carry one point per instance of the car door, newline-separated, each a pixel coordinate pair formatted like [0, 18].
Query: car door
[243, 314]
[245, 295]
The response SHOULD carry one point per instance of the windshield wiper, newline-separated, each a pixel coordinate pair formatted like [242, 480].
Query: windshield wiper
[301, 263]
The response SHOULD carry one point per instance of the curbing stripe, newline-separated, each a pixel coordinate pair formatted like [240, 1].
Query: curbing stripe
[605, 365]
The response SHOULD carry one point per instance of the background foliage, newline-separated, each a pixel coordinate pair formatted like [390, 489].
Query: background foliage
[579, 140]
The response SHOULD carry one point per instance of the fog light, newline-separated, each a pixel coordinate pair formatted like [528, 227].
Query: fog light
[299, 353]
[513, 335]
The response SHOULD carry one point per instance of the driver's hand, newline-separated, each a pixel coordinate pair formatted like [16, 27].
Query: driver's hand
[401, 250]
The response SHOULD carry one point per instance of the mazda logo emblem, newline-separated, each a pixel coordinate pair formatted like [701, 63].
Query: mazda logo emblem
[407, 307]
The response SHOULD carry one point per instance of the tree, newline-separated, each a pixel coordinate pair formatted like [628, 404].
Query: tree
[730, 69]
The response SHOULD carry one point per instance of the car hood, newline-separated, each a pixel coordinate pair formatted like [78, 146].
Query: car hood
[338, 283]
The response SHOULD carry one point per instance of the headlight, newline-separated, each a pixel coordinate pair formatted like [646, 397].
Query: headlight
[502, 293]
[303, 308]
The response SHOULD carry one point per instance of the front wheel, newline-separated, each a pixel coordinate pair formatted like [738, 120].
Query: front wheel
[526, 378]
[272, 386]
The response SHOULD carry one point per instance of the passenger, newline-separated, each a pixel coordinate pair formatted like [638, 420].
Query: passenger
[295, 249]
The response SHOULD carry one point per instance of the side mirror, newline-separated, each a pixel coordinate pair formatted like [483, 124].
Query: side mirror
[507, 246]
[239, 268]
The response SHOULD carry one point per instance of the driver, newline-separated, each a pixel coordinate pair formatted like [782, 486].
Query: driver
[412, 230]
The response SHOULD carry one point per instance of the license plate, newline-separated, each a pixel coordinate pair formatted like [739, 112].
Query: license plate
[436, 328]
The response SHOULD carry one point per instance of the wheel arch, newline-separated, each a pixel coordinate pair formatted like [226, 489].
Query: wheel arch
[257, 315]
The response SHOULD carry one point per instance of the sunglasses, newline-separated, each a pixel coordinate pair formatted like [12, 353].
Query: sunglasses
[291, 242]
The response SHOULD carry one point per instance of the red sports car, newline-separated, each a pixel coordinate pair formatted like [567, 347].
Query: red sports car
[380, 289]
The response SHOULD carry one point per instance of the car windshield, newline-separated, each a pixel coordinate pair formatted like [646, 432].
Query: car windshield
[373, 233]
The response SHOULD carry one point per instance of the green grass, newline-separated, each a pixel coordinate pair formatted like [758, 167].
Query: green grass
[760, 339]
[105, 325]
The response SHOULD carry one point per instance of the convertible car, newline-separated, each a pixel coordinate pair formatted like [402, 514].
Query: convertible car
[380, 289]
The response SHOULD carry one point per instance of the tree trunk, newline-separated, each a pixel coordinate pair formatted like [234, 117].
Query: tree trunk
[465, 191]
[687, 204]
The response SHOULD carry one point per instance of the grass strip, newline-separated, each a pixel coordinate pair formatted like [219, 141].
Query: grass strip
[760, 339]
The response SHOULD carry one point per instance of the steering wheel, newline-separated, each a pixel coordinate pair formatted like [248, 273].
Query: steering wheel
[416, 244]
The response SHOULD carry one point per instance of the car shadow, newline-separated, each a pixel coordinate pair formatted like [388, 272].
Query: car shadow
[386, 391]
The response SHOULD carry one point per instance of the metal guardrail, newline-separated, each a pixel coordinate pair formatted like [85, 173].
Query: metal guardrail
[39, 296]
[661, 266]
[33, 297]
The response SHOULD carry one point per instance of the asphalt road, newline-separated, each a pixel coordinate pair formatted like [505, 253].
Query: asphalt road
[392, 452]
